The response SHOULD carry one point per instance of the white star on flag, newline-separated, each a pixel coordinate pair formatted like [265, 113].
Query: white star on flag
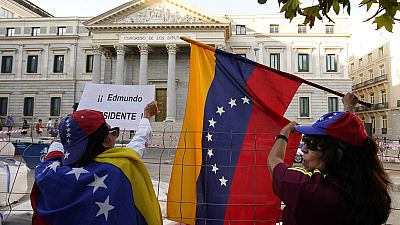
[66, 155]
[68, 124]
[68, 130]
[232, 102]
[210, 153]
[68, 135]
[209, 137]
[68, 141]
[105, 207]
[98, 182]
[246, 100]
[223, 181]
[212, 122]
[77, 172]
[214, 168]
[220, 110]
[54, 165]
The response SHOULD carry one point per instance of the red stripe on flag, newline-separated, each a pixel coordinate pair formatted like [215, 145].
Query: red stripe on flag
[251, 197]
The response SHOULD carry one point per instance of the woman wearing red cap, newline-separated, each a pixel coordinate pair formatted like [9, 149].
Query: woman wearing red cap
[86, 180]
[343, 180]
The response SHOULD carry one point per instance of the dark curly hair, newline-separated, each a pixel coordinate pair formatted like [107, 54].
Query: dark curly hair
[363, 181]
[94, 146]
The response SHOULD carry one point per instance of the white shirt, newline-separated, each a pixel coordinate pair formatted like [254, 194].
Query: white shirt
[49, 124]
[142, 137]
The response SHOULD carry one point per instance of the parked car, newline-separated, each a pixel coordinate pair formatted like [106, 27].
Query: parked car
[299, 154]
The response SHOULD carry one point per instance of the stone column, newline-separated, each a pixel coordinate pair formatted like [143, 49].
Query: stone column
[96, 74]
[144, 58]
[171, 84]
[119, 73]
[261, 52]
[20, 54]
[108, 67]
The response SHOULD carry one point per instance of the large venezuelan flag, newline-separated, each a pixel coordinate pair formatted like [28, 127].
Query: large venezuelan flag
[114, 189]
[234, 110]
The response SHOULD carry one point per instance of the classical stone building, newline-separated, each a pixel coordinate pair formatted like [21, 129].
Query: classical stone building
[376, 79]
[45, 61]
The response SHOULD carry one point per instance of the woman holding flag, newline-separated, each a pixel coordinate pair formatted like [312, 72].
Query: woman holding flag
[343, 181]
[86, 180]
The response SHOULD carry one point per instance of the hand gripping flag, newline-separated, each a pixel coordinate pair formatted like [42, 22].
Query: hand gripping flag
[234, 110]
[114, 189]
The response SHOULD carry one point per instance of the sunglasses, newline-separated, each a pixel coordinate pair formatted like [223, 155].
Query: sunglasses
[312, 144]
[114, 131]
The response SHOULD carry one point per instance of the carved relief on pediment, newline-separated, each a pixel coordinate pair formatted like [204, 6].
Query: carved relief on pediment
[159, 13]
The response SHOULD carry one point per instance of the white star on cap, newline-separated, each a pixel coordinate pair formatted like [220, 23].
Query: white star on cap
[68, 129]
[210, 153]
[66, 155]
[246, 100]
[232, 102]
[220, 110]
[98, 182]
[223, 181]
[105, 207]
[68, 141]
[209, 137]
[77, 172]
[212, 122]
[214, 168]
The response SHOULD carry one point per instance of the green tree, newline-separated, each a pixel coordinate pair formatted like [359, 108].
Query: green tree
[384, 16]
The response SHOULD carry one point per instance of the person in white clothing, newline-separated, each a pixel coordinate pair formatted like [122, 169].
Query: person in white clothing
[49, 125]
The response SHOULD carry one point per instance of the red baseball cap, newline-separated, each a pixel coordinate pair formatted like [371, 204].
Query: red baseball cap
[75, 130]
[344, 126]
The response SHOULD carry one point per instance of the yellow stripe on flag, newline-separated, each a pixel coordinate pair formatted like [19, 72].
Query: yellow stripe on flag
[181, 205]
[132, 166]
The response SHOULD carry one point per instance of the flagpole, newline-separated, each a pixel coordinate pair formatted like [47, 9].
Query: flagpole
[198, 43]
[281, 73]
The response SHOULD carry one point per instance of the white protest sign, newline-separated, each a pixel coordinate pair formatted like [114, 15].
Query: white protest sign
[122, 105]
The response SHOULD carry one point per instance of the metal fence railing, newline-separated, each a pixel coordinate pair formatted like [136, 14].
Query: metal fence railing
[158, 159]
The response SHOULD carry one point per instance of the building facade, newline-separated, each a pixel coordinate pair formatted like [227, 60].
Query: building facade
[376, 79]
[45, 62]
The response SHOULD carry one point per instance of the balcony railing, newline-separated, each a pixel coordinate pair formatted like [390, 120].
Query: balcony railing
[383, 105]
[369, 82]
[384, 130]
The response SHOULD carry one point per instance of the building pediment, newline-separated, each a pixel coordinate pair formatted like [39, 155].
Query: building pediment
[155, 13]
[159, 13]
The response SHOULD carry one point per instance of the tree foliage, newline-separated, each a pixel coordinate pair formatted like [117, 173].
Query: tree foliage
[384, 16]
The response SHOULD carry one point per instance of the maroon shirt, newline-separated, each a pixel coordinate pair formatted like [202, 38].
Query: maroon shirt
[309, 197]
